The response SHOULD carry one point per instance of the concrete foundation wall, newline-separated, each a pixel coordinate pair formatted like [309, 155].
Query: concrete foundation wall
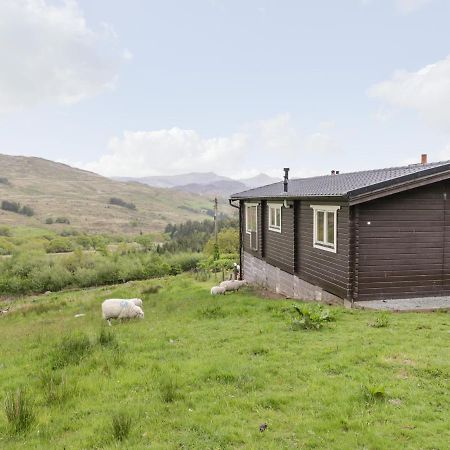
[256, 271]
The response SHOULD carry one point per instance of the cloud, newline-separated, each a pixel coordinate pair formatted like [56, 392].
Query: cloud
[49, 54]
[426, 91]
[168, 151]
[409, 6]
[262, 146]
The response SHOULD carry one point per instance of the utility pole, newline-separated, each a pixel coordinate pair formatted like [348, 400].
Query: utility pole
[216, 243]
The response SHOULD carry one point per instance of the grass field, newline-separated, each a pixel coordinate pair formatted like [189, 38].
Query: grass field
[203, 373]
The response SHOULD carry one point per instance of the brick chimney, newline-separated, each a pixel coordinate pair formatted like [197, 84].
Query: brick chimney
[424, 158]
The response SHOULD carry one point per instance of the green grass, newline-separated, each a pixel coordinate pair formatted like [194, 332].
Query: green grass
[205, 372]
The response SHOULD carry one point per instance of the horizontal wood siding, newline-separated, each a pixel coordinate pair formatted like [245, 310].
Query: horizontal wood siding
[330, 271]
[246, 236]
[279, 247]
[403, 251]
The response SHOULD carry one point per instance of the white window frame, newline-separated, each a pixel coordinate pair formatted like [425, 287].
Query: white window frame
[276, 206]
[325, 245]
[248, 205]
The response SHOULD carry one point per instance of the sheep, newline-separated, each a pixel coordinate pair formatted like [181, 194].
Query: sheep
[137, 302]
[233, 285]
[115, 308]
[217, 290]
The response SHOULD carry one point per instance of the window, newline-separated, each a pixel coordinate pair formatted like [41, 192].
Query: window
[251, 224]
[325, 227]
[275, 217]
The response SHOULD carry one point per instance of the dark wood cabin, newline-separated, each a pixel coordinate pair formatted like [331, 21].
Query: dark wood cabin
[378, 234]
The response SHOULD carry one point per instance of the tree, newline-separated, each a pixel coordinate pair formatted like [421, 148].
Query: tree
[228, 240]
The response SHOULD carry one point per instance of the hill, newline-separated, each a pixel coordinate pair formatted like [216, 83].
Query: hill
[204, 183]
[54, 190]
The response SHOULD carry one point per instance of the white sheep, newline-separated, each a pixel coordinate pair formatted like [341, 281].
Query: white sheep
[136, 301]
[116, 308]
[233, 285]
[217, 290]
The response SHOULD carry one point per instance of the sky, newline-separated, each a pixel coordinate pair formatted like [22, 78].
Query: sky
[148, 87]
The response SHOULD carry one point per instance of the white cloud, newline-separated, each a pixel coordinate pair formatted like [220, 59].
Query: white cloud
[409, 6]
[49, 54]
[168, 151]
[426, 91]
[263, 146]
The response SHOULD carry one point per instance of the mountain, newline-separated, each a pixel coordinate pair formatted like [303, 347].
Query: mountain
[206, 184]
[54, 190]
[259, 180]
[170, 181]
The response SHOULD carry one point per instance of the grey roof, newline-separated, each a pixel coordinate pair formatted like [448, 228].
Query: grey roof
[345, 184]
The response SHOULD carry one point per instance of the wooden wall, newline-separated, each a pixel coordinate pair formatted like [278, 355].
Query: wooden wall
[405, 250]
[331, 271]
[279, 247]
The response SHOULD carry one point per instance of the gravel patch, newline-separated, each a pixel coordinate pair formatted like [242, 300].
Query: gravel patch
[407, 304]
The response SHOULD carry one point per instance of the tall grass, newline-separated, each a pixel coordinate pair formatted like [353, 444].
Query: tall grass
[71, 350]
[121, 426]
[19, 410]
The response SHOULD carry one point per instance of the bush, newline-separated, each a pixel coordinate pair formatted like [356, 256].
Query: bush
[71, 350]
[49, 221]
[309, 317]
[26, 211]
[6, 248]
[62, 220]
[4, 180]
[60, 245]
[16, 208]
[121, 426]
[119, 202]
[5, 231]
[19, 410]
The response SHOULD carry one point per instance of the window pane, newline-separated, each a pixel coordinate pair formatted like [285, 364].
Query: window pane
[251, 218]
[272, 216]
[320, 225]
[278, 221]
[330, 226]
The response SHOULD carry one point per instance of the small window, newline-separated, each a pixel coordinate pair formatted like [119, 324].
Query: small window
[325, 227]
[275, 217]
[251, 218]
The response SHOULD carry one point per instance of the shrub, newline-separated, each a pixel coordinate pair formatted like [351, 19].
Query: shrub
[62, 220]
[121, 426]
[49, 221]
[4, 180]
[60, 245]
[5, 231]
[309, 317]
[119, 202]
[19, 410]
[71, 350]
[26, 211]
[10, 206]
[6, 248]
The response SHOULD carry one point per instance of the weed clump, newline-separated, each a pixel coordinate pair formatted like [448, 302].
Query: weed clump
[121, 426]
[381, 321]
[309, 317]
[212, 312]
[151, 289]
[168, 389]
[107, 338]
[71, 350]
[373, 393]
[19, 411]
[55, 386]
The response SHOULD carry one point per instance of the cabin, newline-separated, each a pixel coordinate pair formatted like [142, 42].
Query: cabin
[350, 237]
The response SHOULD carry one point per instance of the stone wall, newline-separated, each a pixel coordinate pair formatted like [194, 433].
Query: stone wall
[258, 272]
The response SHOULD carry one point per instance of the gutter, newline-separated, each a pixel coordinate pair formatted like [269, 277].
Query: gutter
[230, 201]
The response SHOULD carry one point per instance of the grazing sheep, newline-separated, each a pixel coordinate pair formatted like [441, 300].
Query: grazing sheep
[217, 290]
[116, 308]
[136, 301]
[233, 285]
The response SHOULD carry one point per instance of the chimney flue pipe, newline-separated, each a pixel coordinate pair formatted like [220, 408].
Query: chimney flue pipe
[424, 158]
[286, 178]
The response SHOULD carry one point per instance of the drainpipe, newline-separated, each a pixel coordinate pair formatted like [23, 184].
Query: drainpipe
[230, 201]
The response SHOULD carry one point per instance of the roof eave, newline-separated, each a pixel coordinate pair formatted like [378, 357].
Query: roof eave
[398, 185]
